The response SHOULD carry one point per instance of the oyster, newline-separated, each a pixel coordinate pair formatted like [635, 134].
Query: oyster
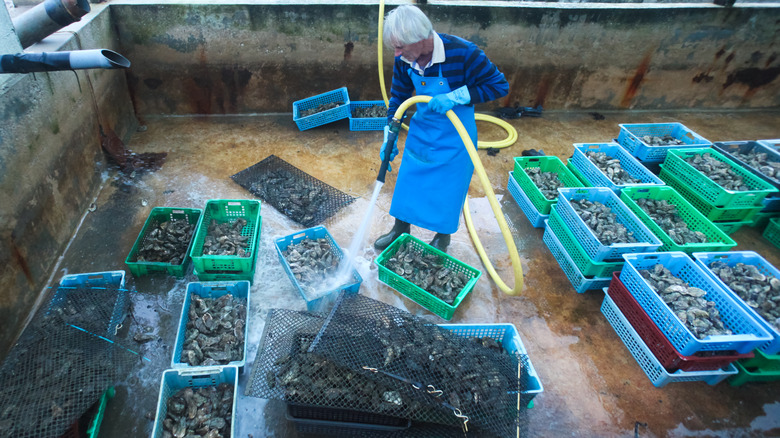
[214, 334]
[689, 304]
[603, 222]
[760, 291]
[226, 239]
[612, 168]
[547, 182]
[166, 243]
[665, 215]
[320, 108]
[718, 171]
[202, 412]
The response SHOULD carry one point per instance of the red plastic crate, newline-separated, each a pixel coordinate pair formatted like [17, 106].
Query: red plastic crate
[663, 350]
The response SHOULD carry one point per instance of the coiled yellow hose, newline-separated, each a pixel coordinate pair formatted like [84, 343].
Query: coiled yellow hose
[517, 267]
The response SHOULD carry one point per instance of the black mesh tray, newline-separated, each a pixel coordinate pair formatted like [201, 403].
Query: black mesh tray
[296, 194]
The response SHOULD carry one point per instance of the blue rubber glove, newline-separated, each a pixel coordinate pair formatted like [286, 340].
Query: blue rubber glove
[442, 103]
[393, 151]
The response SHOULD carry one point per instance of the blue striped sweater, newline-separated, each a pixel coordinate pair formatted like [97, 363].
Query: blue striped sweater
[464, 64]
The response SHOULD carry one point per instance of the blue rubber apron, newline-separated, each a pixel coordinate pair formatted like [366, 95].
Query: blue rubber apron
[436, 169]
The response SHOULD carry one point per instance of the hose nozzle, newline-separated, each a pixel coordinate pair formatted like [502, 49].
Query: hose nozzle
[392, 136]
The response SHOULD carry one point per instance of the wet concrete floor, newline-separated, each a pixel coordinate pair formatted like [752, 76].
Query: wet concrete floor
[592, 385]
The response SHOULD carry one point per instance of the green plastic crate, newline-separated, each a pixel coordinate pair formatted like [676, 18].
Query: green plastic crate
[546, 164]
[94, 426]
[731, 227]
[772, 231]
[587, 266]
[416, 293]
[228, 210]
[762, 368]
[157, 216]
[711, 191]
[761, 219]
[708, 210]
[717, 239]
[578, 174]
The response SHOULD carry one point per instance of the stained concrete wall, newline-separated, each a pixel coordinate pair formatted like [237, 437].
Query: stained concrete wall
[245, 58]
[51, 161]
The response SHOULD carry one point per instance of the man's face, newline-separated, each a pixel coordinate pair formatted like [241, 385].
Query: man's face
[410, 52]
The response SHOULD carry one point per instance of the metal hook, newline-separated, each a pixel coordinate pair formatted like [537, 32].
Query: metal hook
[465, 418]
[373, 370]
[435, 392]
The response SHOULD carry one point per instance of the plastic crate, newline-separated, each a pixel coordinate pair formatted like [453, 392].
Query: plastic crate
[578, 174]
[732, 149]
[323, 117]
[97, 281]
[226, 276]
[711, 191]
[509, 338]
[762, 219]
[731, 227]
[97, 420]
[708, 210]
[645, 358]
[577, 280]
[537, 219]
[366, 123]
[576, 252]
[705, 259]
[416, 293]
[717, 240]
[321, 300]
[747, 375]
[224, 210]
[211, 290]
[196, 377]
[763, 361]
[748, 334]
[545, 164]
[772, 143]
[646, 240]
[598, 178]
[656, 341]
[630, 137]
[157, 216]
[772, 231]
[341, 417]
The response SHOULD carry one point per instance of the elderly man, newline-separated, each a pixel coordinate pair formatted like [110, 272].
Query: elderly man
[436, 170]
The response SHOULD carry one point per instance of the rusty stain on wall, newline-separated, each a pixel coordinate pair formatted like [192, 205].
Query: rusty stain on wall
[21, 261]
[636, 81]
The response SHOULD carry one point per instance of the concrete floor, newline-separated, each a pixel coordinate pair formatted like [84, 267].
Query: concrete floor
[592, 385]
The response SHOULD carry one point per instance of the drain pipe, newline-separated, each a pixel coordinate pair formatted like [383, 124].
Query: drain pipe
[46, 18]
[56, 61]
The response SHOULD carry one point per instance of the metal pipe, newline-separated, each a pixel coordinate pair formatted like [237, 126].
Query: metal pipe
[48, 17]
[56, 61]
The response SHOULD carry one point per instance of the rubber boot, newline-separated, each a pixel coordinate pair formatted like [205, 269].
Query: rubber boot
[441, 242]
[385, 240]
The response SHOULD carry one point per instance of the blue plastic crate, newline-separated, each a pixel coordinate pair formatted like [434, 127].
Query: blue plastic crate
[536, 218]
[114, 280]
[772, 143]
[630, 137]
[320, 300]
[597, 178]
[731, 258]
[579, 281]
[366, 123]
[211, 290]
[748, 334]
[646, 240]
[196, 377]
[342, 428]
[645, 358]
[323, 117]
[509, 338]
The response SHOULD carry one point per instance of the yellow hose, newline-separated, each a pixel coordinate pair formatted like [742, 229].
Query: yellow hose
[517, 267]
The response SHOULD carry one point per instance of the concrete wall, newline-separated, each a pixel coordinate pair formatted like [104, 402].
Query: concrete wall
[244, 58]
[51, 162]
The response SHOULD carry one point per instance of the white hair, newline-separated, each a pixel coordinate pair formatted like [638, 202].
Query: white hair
[406, 24]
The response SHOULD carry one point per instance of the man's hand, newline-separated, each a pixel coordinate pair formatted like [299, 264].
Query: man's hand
[442, 103]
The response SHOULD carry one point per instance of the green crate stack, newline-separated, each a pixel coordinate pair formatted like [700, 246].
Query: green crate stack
[545, 164]
[761, 368]
[573, 247]
[717, 239]
[416, 293]
[762, 219]
[578, 174]
[727, 219]
[772, 231]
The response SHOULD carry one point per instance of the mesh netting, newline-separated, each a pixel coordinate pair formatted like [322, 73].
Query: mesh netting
[63, 362]
[373, 358]
[296, 194]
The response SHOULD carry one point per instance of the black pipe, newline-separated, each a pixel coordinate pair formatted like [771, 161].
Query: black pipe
[56, 61]
[48, 17]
